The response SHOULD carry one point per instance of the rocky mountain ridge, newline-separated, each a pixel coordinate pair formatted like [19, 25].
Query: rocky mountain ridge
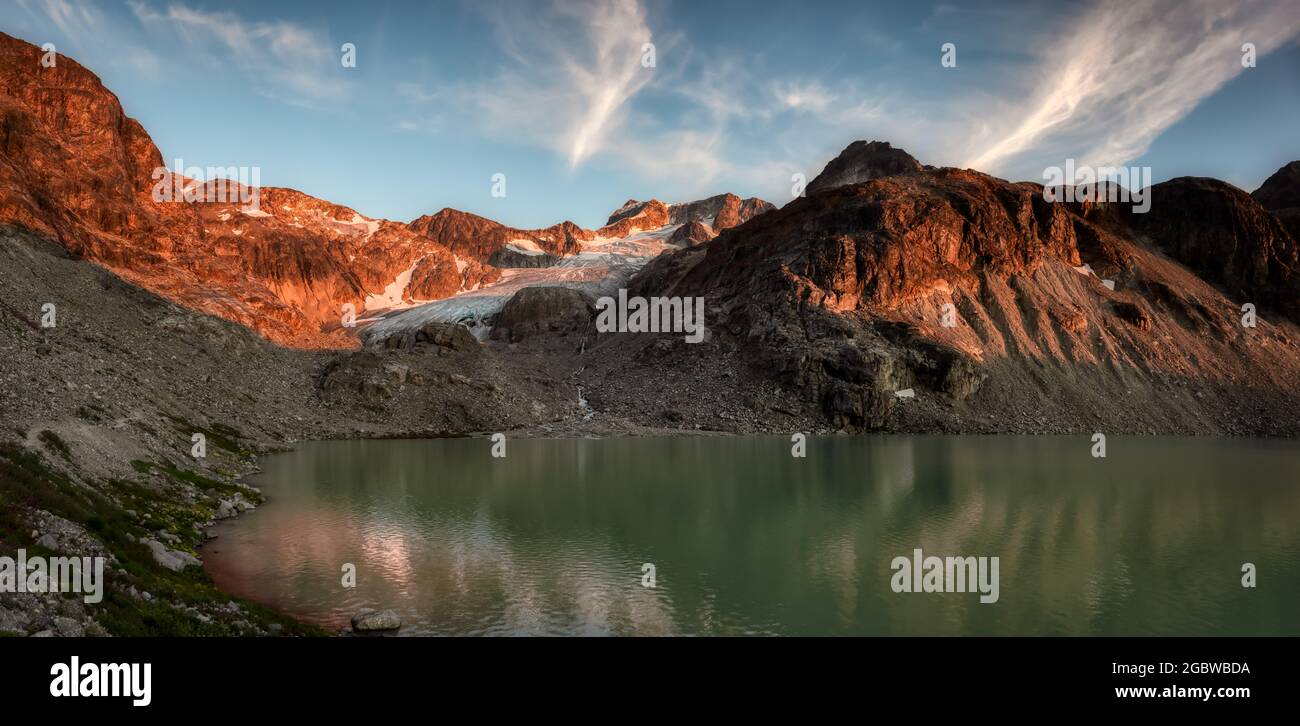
[75, 168]
[958, 285]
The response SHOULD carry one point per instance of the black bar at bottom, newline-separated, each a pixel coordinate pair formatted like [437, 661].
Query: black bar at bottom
[344, 674]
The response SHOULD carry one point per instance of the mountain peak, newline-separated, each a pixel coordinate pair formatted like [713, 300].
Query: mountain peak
[862, 161]
[633, 207]
[1282, 189]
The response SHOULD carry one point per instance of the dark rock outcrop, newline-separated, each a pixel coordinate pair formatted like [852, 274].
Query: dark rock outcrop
[510, 258]
[450, 336]
[1282, 189]
[554, 311]
[1280, 195]
[1225, 236]
[691, 234]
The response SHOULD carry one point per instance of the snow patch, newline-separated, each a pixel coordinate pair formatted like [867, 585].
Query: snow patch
[392, 295]
[371, 225]
[525, 247]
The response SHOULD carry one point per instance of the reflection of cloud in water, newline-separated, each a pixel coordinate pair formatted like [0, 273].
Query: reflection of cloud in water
[471, 568]
[465, 575]
[384, 547]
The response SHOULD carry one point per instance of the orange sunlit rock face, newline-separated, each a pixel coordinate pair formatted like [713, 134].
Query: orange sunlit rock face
[75, 168]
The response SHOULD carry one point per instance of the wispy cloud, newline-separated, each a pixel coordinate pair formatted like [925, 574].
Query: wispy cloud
[93, 36]
[1125, 72]
[575, 83]
[1098, 85]
[73, 20]
[575, 67]
[280, 56]
[1098, 82]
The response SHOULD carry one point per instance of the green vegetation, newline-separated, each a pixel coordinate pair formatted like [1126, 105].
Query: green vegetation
[207, 484]
[185, 602]
[25, 481]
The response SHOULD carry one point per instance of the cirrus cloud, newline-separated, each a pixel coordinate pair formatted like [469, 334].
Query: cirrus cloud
[1105, 88]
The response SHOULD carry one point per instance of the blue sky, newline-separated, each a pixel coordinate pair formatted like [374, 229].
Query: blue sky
[742, 95]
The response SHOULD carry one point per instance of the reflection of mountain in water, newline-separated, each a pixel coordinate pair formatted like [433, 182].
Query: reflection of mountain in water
[747, 539]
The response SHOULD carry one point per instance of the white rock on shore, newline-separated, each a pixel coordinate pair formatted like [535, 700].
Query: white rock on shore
[174, 560]
[376, 621]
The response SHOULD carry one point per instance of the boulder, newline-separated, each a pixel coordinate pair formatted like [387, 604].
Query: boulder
[227, 508]
[371, 621]
[174, 560]
[447, 335]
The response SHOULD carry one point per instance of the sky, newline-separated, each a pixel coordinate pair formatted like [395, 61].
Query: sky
[561, 98]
